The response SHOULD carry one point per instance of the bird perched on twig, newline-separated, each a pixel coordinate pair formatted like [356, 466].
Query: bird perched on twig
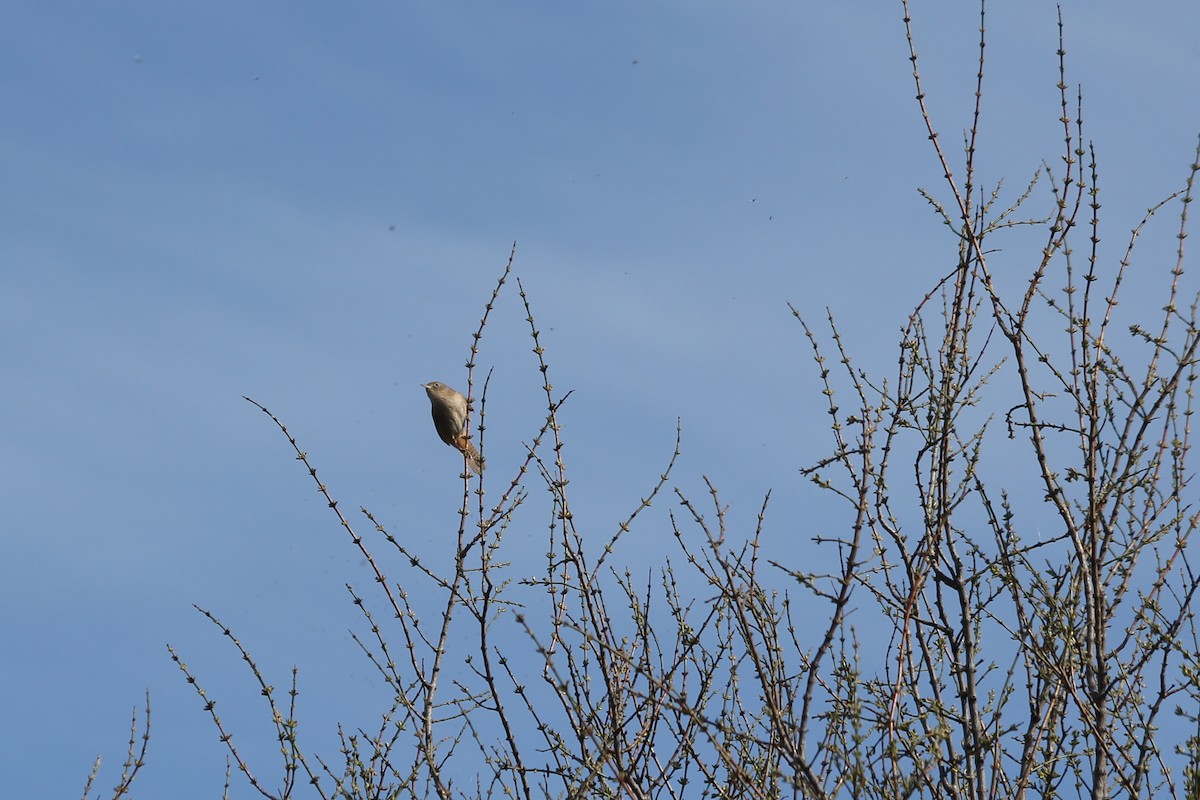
[449, 410]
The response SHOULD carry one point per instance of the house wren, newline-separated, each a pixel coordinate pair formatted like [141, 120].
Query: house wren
[450, 419]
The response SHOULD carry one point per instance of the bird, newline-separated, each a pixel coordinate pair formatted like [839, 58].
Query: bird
[449, 409]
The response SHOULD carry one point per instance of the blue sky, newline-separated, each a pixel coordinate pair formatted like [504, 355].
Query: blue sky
[309, 204]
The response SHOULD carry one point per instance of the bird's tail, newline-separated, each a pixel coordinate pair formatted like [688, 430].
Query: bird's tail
[474, 460]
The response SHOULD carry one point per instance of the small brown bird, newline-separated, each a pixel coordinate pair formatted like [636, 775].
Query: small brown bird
[449, 410]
